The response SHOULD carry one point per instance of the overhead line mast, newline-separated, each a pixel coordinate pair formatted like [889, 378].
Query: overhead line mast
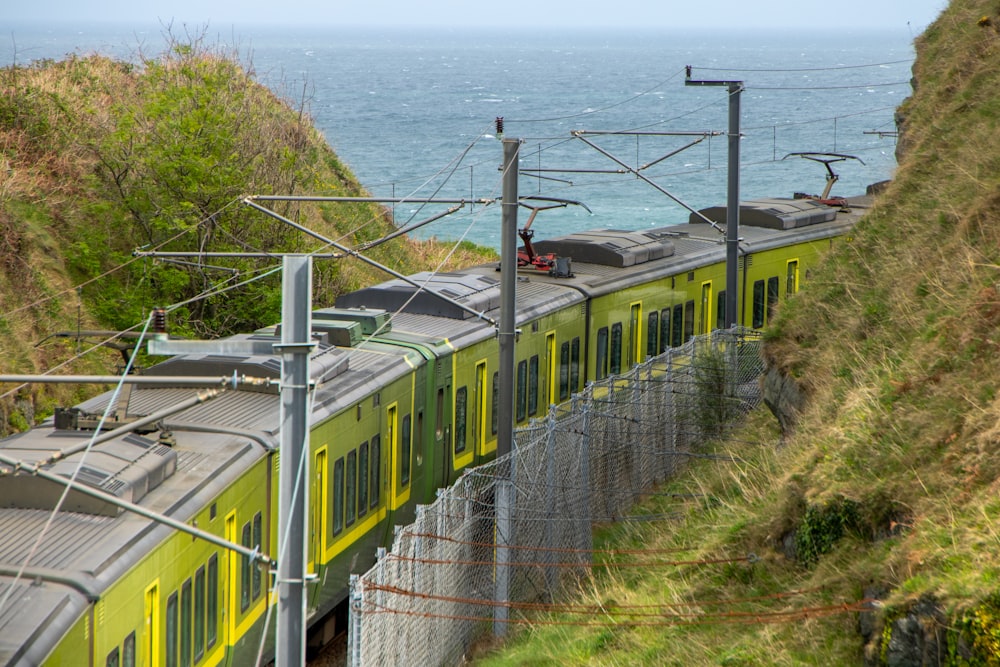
[732, 192]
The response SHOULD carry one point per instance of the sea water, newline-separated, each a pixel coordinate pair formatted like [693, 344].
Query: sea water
[413, 113]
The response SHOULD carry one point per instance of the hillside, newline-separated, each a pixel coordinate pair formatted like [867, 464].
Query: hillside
[100, 157]
[871, 530]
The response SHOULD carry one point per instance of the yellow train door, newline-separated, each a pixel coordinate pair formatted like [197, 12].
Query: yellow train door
[705, 321]
[151, 639]
[232, 579]
[479, 410]
[634, 350]
[317, 538]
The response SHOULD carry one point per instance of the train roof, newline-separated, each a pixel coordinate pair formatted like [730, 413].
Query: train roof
[87, 547]
[422, 317]
[81, 554]
[765, 224]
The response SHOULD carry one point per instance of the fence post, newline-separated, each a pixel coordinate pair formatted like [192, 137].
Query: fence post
[550, 501]
[585, 528]
[354, 624]
[504, 504]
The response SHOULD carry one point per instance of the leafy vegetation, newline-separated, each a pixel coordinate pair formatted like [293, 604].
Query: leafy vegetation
[99, 158]
[882, 506]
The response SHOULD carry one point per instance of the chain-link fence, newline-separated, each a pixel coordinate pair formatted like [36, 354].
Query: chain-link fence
[509, 532]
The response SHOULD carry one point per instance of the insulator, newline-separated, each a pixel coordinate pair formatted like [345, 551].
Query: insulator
[160, 320]
[499, 126]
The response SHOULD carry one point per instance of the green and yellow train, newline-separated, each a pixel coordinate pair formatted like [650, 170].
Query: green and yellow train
[404, 400]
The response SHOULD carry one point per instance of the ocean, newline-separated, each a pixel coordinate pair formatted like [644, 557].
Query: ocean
[412, 113]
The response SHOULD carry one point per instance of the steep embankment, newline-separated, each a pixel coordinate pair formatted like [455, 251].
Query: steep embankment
[101, 157]
[874, 524]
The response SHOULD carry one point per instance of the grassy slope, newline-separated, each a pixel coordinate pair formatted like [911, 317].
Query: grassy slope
[99, 157]
[889, 486]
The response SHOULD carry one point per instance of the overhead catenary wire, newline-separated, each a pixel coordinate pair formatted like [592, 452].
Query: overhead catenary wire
[778, 70]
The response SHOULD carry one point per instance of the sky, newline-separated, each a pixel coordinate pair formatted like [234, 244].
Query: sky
[913, 15]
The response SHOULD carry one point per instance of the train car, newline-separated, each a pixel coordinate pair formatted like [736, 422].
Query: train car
[404, 399]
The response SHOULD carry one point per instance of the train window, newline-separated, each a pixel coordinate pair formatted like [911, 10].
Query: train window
[664, 330]
[338, 496]
[564, 371]
[677, 327]
[113, 658]
[652, 329]
[688, 320]
[186, 624]
[212, 601]
[376, 469]
[522, 390]
[405, 436]
[352, 486]
[245, 569]
[601, 369]
[574, 365]
[258, 536]
[772, 296]
[128, 651]
[758, 304]
[171, 638]
[461, 414]
[616, 348]
[533, 385]
[363, 479]
[199, 613]
[720, 310]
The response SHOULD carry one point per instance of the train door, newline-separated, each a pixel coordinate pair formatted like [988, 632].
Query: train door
[320, 498]
[414, 419]
[705, 321]
[551, 368]
[151, 639]
[393, 457]
[792, 277]
[232, 583]
[442, 422]
[633, 353]
[479, 410]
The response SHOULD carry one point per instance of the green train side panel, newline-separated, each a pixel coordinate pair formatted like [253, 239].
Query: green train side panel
[73, 648]
[369, 439]
[141, 594]
[537, 354]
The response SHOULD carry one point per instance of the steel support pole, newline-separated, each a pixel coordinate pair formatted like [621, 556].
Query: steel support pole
[508, 286]
[733, 206]
[293, 493]
[504, 492]
[735, 89]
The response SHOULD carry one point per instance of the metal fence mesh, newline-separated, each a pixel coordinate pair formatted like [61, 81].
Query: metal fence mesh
[451, 575]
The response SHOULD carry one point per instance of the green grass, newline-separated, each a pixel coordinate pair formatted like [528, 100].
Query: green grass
[890, 483]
